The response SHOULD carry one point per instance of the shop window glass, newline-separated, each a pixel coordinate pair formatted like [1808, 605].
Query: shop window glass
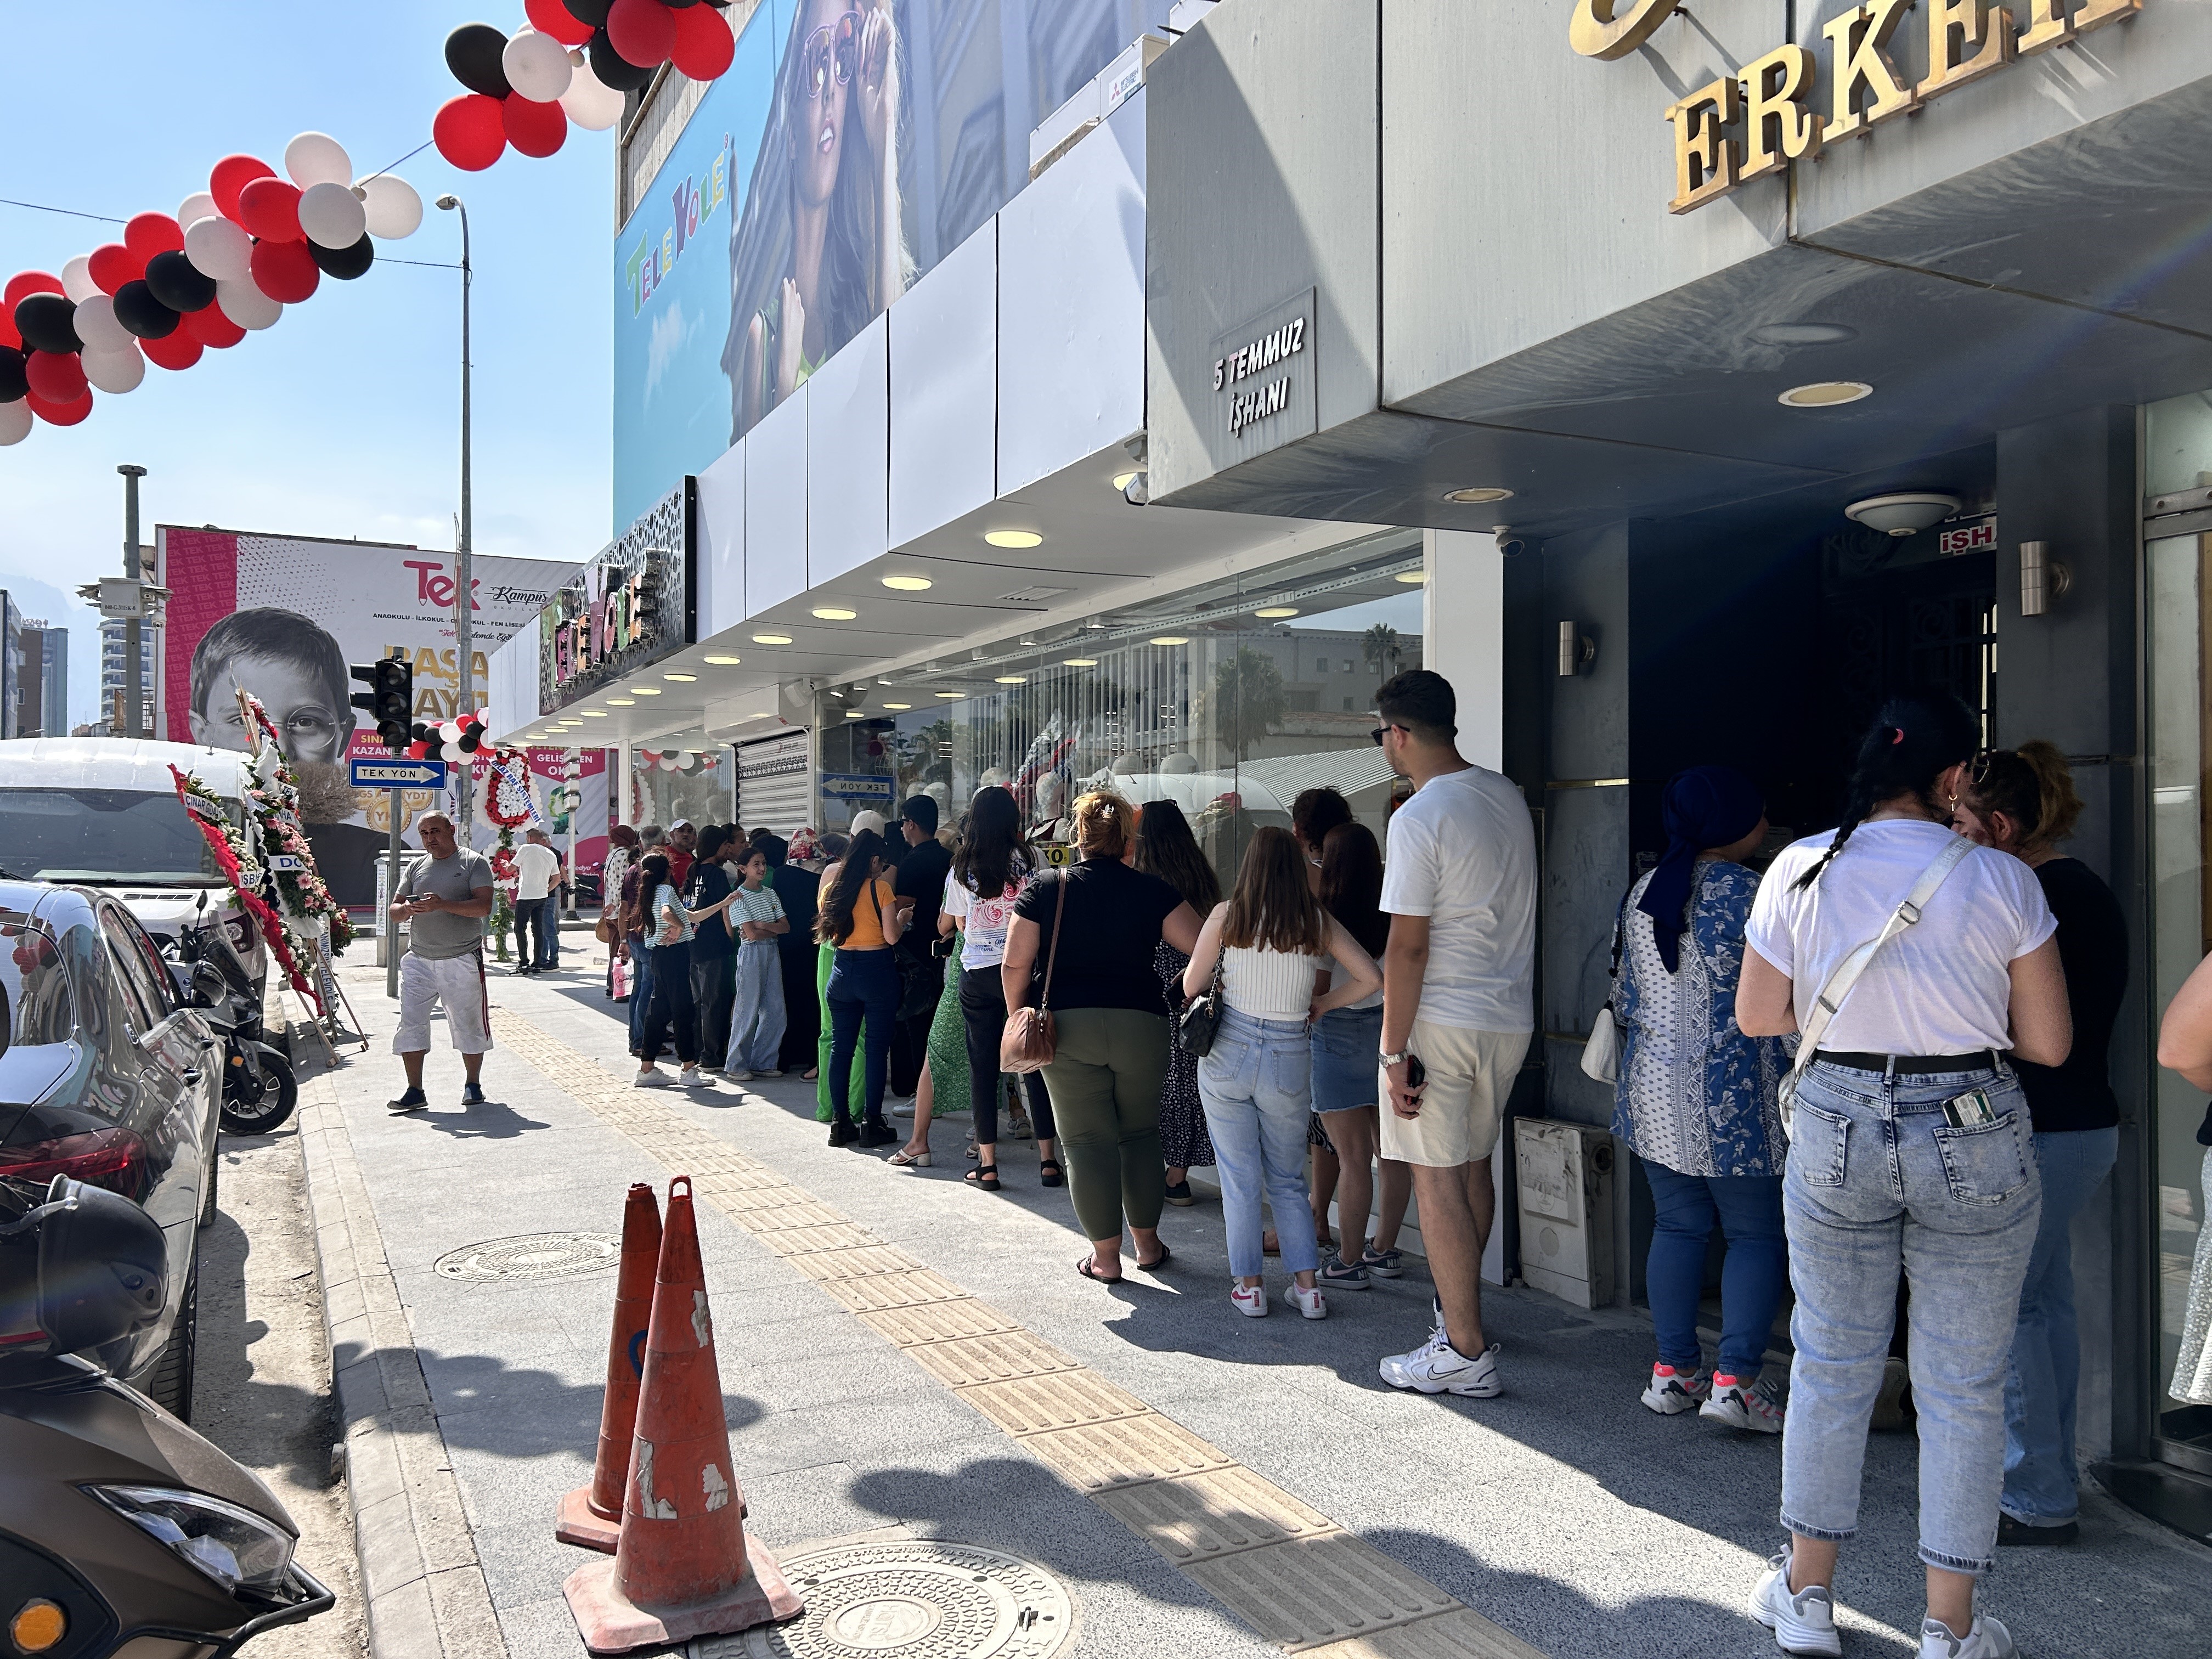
[701, 795]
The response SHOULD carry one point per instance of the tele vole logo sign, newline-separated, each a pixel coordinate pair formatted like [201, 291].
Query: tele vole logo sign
[1757, 121]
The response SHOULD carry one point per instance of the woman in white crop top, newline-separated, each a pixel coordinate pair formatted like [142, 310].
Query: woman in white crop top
[1270, 941]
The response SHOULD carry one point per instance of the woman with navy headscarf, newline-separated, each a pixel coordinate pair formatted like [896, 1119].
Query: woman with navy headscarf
[1695, 1099]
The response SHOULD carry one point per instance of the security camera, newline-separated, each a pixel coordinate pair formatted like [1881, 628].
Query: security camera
[1138, 491]
[1509, 544]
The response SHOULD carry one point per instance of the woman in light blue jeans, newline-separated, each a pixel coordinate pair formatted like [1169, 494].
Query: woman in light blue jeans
[757, 1014]
[1909, 1149]
[1256, 1082]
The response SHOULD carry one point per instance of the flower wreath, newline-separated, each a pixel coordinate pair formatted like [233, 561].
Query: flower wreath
[226, 842]
[508, 801]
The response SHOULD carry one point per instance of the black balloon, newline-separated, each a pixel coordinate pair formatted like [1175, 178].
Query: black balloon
[47, 321]
[13, 383]
[679, 5]
[472, 52]
[593, 12]
[178, 283]
[616, 70]
[137, 310]
[344, 263]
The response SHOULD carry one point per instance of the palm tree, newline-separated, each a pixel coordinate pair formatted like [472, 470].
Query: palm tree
[1381, 647]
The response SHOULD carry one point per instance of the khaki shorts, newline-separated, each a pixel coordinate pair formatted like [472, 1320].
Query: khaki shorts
[1470, 1075]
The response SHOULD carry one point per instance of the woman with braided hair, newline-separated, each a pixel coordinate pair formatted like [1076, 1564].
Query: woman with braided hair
[1909, 1148]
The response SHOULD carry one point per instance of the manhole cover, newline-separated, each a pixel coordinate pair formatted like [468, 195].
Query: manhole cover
[534, 1255]
[912, 1599]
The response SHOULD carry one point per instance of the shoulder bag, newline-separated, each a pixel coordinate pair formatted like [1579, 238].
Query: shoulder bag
[1845, 975]
[1602, 1051]
[1028, 1041]
[1201, 1016]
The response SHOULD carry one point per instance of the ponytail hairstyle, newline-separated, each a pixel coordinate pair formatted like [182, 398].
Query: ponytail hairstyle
[1103, 822]
[2033, 787]
[1913, 741]
[835, 924]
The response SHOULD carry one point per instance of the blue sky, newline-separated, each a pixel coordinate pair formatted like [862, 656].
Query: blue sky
[343, 419]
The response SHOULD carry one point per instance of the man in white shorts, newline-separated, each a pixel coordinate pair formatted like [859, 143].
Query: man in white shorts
[444, 899]
[1458, 998]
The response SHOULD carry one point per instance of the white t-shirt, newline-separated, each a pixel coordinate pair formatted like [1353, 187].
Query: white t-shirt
[1943, 986]
[983, 921]
[1463, 853]
[535, 868]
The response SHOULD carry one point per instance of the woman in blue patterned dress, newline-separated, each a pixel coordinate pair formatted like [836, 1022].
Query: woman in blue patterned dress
[1695, 1100]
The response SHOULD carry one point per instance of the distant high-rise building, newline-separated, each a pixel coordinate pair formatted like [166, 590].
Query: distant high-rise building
[114, 660]
[42, 692]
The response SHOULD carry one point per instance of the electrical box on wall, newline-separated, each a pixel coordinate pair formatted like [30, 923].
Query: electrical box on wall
[1564, 1173]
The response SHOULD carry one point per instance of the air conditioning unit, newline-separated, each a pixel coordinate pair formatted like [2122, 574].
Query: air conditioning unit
[1564, 1173]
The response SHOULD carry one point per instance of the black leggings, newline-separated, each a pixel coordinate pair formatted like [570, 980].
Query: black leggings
[672, 1004]
[983, 1013]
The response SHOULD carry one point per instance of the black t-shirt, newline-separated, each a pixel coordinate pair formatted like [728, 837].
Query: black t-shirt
[800, 890]
[922, 875]
[2093, 948]
[1114, 917]
[709, 884]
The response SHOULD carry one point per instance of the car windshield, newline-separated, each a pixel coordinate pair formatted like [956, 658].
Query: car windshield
[103, 836]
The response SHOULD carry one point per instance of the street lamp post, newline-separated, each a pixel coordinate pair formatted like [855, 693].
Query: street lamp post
[464, 597]
[134, 689]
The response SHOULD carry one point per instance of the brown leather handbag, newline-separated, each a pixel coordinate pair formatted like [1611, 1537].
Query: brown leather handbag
[1026, 1045]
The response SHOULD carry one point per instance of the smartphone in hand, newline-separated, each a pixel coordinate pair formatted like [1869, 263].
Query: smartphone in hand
[1417, 1075]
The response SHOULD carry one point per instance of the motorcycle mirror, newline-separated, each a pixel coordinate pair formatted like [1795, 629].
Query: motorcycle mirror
[202, 905]
[103, 1273]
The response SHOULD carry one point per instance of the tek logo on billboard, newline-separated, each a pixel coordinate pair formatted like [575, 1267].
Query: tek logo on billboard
[692, 202]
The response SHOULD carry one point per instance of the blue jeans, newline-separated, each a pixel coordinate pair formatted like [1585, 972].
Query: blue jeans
[1256, 1086]
[1348, 1047]
[536, 924]
[641, 987]
[1878, 1179]
[756, 1020]
[863, 985]
[1748, 1210]
[2039, 1469]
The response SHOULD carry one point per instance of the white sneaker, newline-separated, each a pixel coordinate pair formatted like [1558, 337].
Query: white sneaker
[767, 1074]
[1987, 1640]
[904, 1109]
[1310, 1303]
[1803, 1623]
[1671, 1391]
[651, 1077]
[1740, 1406]
[1437, 1367]
[688, 1078]
[738, 1077]
[1250, 1300]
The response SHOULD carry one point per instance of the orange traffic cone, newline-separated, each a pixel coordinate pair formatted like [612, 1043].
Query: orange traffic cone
[686, 1565]
[591, 1516]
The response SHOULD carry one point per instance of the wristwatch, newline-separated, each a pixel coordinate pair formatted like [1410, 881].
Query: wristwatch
[1398, 1058]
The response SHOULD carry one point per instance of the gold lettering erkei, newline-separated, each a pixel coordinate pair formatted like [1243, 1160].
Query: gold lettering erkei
[1705, 157]
[1613, 29]
[1777, 128]
[1856, 61]
[1965, 22]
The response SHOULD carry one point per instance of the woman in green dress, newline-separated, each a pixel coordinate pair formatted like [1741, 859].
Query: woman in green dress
[944, 1065]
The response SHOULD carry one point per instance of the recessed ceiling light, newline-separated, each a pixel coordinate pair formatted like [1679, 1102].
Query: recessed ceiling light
[723, 662]
[771, 639]
[1123, 480]
[1475, 496]
[1078, 662]
[1012, 679]
[853, 714]
[908, 584]
[1272, 611]
[1413, 578]
[685, 679]
[595, 714]
[951, 693]
[835, 613]
[1013, 538]
[624, 702]
[1800, 334]
[645, 690]
[1824, 394]
[898, 705]
[1170, 639]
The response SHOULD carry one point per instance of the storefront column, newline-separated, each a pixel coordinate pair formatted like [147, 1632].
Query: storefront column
[1463, 634]
[620, 783]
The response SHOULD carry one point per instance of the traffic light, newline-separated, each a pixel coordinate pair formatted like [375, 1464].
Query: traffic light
[391, 699]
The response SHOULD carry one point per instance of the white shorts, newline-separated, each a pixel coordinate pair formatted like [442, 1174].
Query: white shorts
[458, 982]
[1470, 1075]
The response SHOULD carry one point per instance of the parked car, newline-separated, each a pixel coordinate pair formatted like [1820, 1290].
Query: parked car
[107, 1077]
[103, 812]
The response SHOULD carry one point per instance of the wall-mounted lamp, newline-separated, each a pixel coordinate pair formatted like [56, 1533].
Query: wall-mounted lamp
[2042, 579]
[1576, 650]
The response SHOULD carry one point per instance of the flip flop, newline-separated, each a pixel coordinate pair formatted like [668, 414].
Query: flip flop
[1159, 1261]
[1082, 1266]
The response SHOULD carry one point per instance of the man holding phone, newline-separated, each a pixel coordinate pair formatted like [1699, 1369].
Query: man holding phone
[1458, 1006]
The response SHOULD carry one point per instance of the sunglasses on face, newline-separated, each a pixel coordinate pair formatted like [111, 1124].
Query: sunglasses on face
[1380, 732]
[833, 49]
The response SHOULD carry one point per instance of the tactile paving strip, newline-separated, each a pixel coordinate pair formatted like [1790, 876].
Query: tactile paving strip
[1283, 1567]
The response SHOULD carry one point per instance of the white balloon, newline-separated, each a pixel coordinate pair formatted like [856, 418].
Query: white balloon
[333, 216]
[592, 104]
[537, 66]
[97, 327]
[219, 249]
[393, 208]
[246, 305]
[14, 422]
[316, 158]
[197, 206]
[449, 732]
[115, 371]
[76, 278]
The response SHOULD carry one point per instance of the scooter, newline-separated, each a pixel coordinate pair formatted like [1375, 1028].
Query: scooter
[118, 1525]
[259, 1089]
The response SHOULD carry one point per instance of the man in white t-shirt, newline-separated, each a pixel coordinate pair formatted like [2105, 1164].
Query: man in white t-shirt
[1458, 998]
[537, 868]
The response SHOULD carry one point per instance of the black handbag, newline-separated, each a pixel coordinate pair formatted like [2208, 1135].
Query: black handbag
[1201, 1018]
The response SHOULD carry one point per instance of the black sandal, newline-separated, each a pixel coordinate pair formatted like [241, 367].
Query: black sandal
[1049, 1173]
[1082, 1265]
[1159, 1261]
[985, 1176]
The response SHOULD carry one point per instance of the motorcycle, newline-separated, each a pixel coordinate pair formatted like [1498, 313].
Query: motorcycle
[259, 1090]
[118, 1524]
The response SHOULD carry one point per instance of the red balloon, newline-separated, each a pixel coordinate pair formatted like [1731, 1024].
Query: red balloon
[113, 264]
[211, 328]
[149, 233]
[176, 350]
[470, 131]
[551, 17]
[65, 414]
[704, 45]
[233, 175]
[24, 283]
[284, 270]
[642, 31]
[533, 129]
[56, 376]
[269, 208]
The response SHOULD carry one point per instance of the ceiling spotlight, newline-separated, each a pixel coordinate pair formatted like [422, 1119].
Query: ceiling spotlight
[1121, 479]
[951, 693]
[898, 705]
[1095, 624]
[595, 714]
[684, 679]
[1273, 612]
[723, 662]
[1012, 679]
[1013, 538]
[1078, 662]
[771, 639]
[908, 584]
[1478, 495]
[1170, 639]
[1902, 515]
[624, 702]
[1413, 578]
[834, 613]
[1824, 394]
[645, 690]
[853, 714]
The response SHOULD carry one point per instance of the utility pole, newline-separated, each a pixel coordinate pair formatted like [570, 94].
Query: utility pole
[465, 596]
[133, 691]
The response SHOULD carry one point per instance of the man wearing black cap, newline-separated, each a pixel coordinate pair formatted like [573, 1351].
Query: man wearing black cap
[920, 889]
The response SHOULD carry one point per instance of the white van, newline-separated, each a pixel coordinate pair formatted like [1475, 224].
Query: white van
[104, 812]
